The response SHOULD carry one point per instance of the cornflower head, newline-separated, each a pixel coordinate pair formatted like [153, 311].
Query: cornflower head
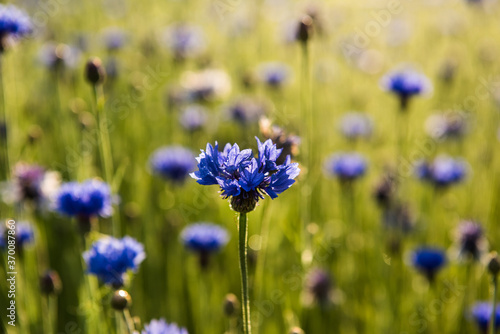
[346, 166]
[193, 117]
[173, 163]
[56, 56]
[24, 235]
[451, 125]
[91, 198]
[406, 83]
[109, 259]
[428, 261]
[443, 171]
[204, 239]
[470, 239]
[354, 125]
[184, 40]
[273, 74]
[243, 178]
[481, 314]
[160, 326]
[14, 24]
[31, 184]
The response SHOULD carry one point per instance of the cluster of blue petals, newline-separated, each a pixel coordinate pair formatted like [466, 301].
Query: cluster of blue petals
[406, 82]
[162, 327]
[204, 237]
[110, 258]
[173, 163]
[346, 166]
[481, 314]
[14, 22]
[87, 199]
[239, 173]
[443, 171]
[428, 260]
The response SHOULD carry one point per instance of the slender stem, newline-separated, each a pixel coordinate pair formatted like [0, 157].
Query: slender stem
[3, 129]
[105, 148]
[494, 301]
[128, 321]
[243, 242]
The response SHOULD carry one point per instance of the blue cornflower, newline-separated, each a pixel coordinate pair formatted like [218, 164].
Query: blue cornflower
[193, 117]
[88, 199]
[162, 327]
[274, 74]
[428, 261]
[443, 171]
[346, 166]
[54, 56]
[470, 239]
[24, 235]
[243, 178]
[355, 125]
[246, 110]
[185, 40]
[114, 38]
[110, 258]
[173, 163]
[481, 314]
[406, 83]
[14, 22]
[204, 237]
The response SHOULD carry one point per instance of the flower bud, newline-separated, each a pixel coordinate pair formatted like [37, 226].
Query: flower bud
[296, 330]
[231, 305]
[120, 300]
[304, 29]
[94, 71]
[243, 205]
[50, 283]
[493, 264]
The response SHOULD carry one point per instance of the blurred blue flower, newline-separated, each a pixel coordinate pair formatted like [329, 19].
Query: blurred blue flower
[193, 117]
[481, 314]
[274, 74]
[24, 234]
[246, 110]
[428, 261]
[346, 166]
[406, 83]
[242, 177]
[185, 40]
[174, 163]
[87, 199]
[355, 125]
[470, 238]
[204, 237]
[443, 171]
[114, 38]
[110, 258]
[14, 22]
[54, 56]
[162, 327]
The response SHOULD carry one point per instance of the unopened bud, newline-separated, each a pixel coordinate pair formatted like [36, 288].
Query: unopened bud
[296, 330]
[304, 29]
[94, 71]
[493, 264]
[50, 283]
[120, 300]
[231, 305]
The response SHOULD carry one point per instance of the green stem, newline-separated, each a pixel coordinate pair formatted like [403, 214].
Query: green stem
[494, 301]
[3, 132]
[105, 148]
[128, 321]
[243, 242]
